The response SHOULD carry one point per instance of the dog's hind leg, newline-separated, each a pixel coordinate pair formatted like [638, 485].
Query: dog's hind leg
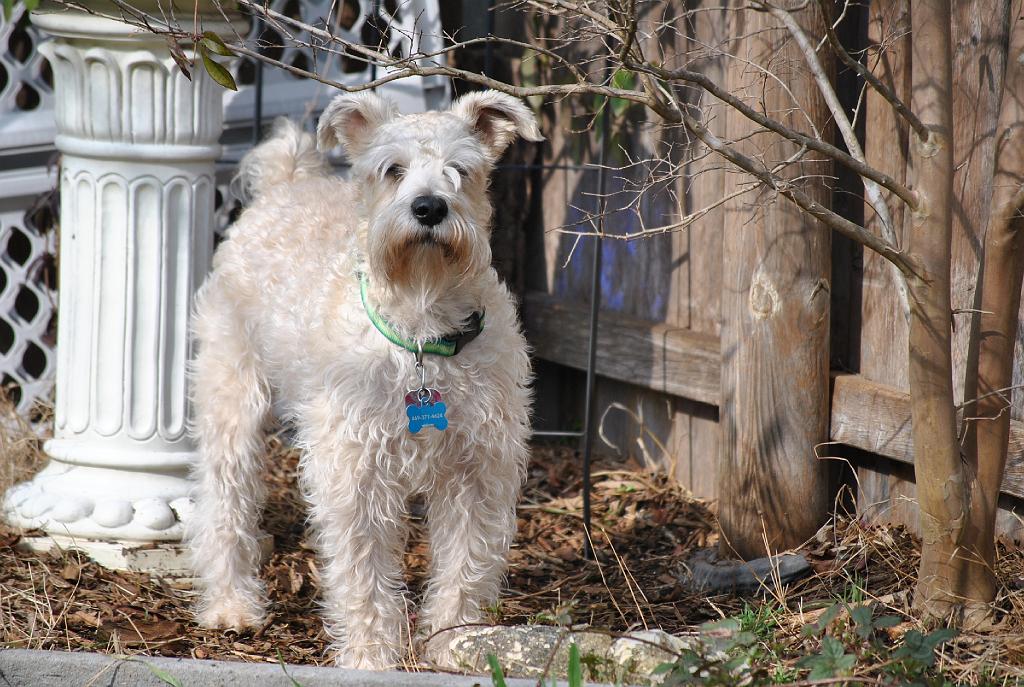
[472, 521]
[357, 510]
[232, 401]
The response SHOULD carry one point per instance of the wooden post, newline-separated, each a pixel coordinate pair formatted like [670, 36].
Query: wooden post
[773, 492]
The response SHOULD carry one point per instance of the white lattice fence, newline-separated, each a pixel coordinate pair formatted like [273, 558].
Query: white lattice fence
[26, 85]
[28, 236]
[27, 239]
[402, 26]
[27, 304]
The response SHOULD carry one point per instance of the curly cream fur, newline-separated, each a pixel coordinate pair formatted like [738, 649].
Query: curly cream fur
[279, 322]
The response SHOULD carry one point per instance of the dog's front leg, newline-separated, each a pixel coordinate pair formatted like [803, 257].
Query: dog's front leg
[231, 402]
[358, 513]
[472, 521]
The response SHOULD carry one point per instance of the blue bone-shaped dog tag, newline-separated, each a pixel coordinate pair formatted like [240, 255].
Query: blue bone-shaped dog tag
[426, 412]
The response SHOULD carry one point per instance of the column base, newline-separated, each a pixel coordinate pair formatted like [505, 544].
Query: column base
[102, 503]
[169, 559]
[166, 560]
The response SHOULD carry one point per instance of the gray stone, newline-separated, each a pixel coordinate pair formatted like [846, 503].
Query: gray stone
[529, 651]
[533, 651]
[641, 652]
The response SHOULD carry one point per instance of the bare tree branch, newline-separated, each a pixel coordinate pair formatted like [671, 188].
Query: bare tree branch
[906, 263]
[871, 188]
[897, 105]
[815, 144]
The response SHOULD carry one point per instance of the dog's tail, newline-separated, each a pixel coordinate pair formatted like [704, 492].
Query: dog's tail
[288, 155]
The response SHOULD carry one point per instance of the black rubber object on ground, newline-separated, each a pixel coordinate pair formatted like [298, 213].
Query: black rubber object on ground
[706, 573]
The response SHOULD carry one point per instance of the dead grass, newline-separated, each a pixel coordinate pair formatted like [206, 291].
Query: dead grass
[645, 526]
[21, 442]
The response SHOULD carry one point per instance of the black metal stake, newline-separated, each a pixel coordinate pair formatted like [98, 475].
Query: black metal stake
[257, 108]
[488, 46]
[595, 305]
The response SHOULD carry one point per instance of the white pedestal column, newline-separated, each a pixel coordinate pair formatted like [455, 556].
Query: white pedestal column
[137, 186]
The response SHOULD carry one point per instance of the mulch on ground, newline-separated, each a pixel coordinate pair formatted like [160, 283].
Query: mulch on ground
[645, 525]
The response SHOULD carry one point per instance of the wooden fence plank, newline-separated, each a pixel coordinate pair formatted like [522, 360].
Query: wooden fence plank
[884, 331]
[656, 356]
[876, 418]
[865, 414]
[872, 417]
[980, 40]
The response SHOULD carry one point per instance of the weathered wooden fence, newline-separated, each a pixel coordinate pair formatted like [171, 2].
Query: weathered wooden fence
[677, 307]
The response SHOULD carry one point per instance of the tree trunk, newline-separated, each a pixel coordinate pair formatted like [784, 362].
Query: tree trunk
[1002, 272]
[773, 492]
[941, 484]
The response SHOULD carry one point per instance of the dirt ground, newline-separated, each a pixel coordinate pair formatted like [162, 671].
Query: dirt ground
[645, 526]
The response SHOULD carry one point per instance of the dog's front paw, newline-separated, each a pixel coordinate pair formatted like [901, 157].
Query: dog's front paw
[230, 614]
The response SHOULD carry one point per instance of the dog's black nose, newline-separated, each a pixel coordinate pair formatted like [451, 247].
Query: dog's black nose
[429, 210]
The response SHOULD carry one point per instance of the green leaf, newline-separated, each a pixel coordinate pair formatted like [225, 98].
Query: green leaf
[920, 649]
[162, 675]
[832, 648]
[497, 674]
[824, 621]
[8, 9]
[663, 668]
[844, 664]
[575, 672]
[217, 71]
[735, 663]
[831, 662]
[215, 45]
[284, 669]
[885, 621]
[744, 639]
[623, 78]
[941, 636]
[30, 4]
[721, 628]
[861, 616]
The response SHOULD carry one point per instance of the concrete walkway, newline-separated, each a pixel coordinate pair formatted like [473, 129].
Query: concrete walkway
[27, 668]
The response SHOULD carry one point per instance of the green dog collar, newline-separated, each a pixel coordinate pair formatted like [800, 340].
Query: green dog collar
[445, 346]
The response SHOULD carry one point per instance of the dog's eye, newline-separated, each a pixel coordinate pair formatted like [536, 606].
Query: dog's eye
[463, 172]
[395, 172]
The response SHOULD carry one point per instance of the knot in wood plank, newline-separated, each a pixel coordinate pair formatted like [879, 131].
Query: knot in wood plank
[764, 297]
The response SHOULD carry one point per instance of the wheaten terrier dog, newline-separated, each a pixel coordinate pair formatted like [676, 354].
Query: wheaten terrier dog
[367, 312]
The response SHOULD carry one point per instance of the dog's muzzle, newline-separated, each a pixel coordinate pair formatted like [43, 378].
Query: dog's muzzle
[429, 210]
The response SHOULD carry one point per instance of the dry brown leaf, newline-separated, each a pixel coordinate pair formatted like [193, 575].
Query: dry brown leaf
[136, 632]
[72, 571]
[296, 580]
[85, 618]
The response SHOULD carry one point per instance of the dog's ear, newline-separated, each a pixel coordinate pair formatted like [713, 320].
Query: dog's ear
[351, 119]
[496, 119]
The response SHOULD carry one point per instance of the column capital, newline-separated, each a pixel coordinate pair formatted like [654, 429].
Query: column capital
[102, 21]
